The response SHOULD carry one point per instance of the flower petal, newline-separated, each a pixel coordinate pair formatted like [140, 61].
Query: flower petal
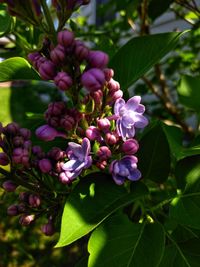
[118, 105]
[86, 146]
[133, 103]
[135, 175]
[141, 121]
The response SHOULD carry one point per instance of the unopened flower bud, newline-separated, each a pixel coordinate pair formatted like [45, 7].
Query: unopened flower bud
[45, 165]
[111, 139]
[27, 144]
[48, 228]
[26, 220]
[130, 146]
[56, 108]
[93, 79]
[21, 207]
[58, 55]
[101, 164]
[64, 179]
[93, 133]
[98, 59]
[113, 85]
[104, 153]
[81, 51]
[113, 96]
[9, 186]
[4, 160]
[109, 73]
[34, 200]
[24, 196]
[47, 70]
[13, 210]
[25, 133]
[63, 81]
[103, 124]
[18, 141]
[47, 133]
[20, 156]
[65, 38]
[11, 129]
[67, 122]
[56, 153]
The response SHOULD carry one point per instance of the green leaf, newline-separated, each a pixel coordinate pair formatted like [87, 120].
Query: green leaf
[119, 242]
[189, 93]
[185, 208]
[17, 68]
[6, 21]
[92, 201]
[185, 254]
[175, 139]
[154, 155]
[187, 171]
[137, 56]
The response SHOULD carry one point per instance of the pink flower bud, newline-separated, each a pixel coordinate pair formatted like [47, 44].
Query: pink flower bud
[26, 220]
[97, 96]
[113, 86]
[64, 179]
[24, 196]
[103, 124]
[9, 186]
[48, 229]
[27, 144]
[130, 146]
[101, 164]
[13, 210]
[56, 108]
[4, 160]
[113, 96]
[47, 70]
[34, 57]
[58, 55]
[25, 133]
[111, 139]
[34, 200]
[45, 165]
[109, 73]
[65, 38]
[104, 153]
[56, 153]
[98, 59]
[18, 141]
[63, 81]
[47, 133]
[20, 156]
[93, 80]
[81, 51]
[93, 133]
[11, 129]
[21, 207]
[67, 122]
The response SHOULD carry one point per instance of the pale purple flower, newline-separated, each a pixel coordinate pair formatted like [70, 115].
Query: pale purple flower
[79, 159]
[129, 116]
[123, 169]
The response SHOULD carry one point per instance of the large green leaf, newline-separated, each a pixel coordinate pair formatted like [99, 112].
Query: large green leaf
[189, 93]
[185, 254]
[154, 155]
[6, 20]
[185, 208]
[91, 202]
[137, 56]
[119, 242]
[17, 68]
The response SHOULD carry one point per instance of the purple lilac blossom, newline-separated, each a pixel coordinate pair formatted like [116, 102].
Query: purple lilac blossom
[129, 116]
[79, 158]
[123, 169]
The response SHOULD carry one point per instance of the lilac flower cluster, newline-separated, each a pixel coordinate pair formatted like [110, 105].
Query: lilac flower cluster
[98, 127]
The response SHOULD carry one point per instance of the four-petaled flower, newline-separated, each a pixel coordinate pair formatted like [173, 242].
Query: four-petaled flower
[123, 169]
[129, 116]
[79, 158]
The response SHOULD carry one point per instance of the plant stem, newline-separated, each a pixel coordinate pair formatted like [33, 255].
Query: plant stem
[52, 31]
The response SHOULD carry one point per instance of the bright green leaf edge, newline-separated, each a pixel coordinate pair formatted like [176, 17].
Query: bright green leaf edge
[17, 68]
